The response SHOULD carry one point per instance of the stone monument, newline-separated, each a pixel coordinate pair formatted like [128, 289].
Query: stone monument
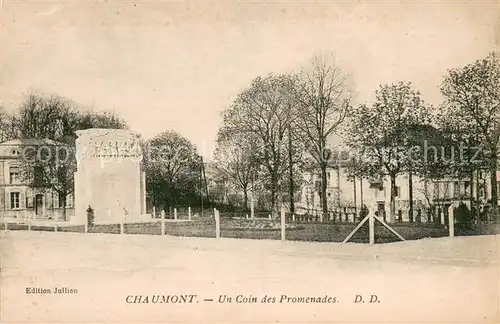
[109, 176]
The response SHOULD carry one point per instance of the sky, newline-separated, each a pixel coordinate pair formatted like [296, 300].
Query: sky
[178, 65]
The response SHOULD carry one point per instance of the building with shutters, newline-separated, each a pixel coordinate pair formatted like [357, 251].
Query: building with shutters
[429, 195]
[17, 199]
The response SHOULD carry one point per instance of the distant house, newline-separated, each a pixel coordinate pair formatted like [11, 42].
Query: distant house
[430, 195]
[17, 198]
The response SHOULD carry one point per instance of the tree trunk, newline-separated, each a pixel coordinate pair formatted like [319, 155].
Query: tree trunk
[410, 191]
[493, 180]
[290, 162]
[63, 197]
[324, 202]
[361, 192]
[245, 197]
[392, 214]
[274, 188]
[471, 194]
[355, 200]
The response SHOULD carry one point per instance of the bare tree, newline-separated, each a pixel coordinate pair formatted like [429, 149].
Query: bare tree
[323, 95]
[54, 120]
[380, 131]
[473, 95]
[234, 162]
[260, 115]
[7, 130]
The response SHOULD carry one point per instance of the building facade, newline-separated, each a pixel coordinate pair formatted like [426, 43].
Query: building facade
[17, 199]
[428, 195]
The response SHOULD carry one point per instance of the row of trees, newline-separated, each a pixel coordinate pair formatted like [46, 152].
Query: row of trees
[172, 163]
[55, 120]
[282, 125]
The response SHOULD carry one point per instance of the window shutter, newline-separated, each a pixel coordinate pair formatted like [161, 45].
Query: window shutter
[2, 199]
[29, 199]
[22, 200]
[7, 200]
[69, 201]
[48, 201]
[2, 177]
[56, 199]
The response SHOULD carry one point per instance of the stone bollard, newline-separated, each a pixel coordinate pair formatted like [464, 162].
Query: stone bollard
[270, 216]
[293, 217]
[57, 223]
[162, 222]
[175, 213]
[153, 213]
[86, 227]
[189, 213]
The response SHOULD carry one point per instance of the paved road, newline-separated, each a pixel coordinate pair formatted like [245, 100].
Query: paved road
[435, 280]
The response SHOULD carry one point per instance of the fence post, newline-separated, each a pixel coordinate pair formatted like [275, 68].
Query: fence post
[293, 217]
[175, 213]
[153, 213]
[162, 222]
[371, 227]
[189, 213]
[86, 227]
[29, 223]
[451, 221]
[57, 222]
[283, 225]
[217, 223]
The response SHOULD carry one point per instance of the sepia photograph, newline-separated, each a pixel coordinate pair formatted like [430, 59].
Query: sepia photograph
[249, 161]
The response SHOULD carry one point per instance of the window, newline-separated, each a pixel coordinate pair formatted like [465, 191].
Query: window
[456, 189]
[14, 200]
[14, 175]
[466, 190]
[436, 189]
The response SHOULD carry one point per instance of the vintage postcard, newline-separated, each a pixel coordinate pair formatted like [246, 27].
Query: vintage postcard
[249, 161]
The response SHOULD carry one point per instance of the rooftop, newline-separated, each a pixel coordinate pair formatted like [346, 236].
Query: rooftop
[30, 141]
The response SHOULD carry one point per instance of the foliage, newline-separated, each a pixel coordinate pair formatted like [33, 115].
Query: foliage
[90, 216]
[473, 104]
[323, 98]
[50, 164]
[235, 165]
[173, 170]
[261, 115]
[463, 216]
[379, 132]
